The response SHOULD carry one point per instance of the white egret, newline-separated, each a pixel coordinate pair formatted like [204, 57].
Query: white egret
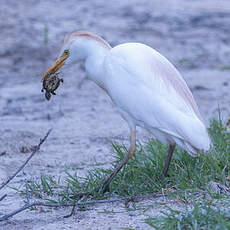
[146, 88]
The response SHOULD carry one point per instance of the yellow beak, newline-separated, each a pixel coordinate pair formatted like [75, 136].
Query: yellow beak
[56, 65]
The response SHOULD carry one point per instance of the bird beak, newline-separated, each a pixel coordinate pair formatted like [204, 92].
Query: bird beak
[56, 65]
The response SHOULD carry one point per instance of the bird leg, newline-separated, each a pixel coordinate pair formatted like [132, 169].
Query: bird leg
[132, 150]
[168, 160]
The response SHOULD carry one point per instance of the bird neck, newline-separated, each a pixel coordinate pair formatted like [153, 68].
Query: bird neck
[94, 60]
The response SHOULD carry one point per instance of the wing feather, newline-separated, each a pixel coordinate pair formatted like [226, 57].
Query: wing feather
[148, 87]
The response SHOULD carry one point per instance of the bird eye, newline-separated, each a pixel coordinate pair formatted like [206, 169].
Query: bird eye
[66, 52]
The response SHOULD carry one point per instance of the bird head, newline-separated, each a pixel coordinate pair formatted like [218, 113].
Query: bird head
[76, 47]
[66, 56]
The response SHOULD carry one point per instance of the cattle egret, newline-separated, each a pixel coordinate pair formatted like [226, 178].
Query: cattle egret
[145, 87]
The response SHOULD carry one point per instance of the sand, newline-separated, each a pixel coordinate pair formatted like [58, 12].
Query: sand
[193, 35]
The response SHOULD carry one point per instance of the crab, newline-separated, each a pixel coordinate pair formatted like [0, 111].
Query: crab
[50, 84]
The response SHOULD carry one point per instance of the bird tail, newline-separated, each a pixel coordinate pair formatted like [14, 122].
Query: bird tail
[192, 150]
[195, 137]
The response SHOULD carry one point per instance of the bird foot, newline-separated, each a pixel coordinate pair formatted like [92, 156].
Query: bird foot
[164, 176]
[103, 188]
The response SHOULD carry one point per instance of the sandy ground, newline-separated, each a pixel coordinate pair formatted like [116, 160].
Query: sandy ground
[194, 35]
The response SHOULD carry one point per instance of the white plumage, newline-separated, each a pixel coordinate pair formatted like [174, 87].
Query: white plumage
[152, 94]
[146, 88]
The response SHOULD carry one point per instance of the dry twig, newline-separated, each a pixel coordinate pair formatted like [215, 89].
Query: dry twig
[24, 164]
[3, 197]
[90, 202]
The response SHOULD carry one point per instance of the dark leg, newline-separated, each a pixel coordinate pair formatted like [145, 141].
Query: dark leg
[168, 160]
[132, 150]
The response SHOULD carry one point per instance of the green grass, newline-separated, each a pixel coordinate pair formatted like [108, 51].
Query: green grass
[46, 34]
[187, 62]
[142, 176]
[202, 216]
[224, 67]
[187, 173]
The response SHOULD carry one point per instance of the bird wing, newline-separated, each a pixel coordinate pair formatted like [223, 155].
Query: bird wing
[148, 87]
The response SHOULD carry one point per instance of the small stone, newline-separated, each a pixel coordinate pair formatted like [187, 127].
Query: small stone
[3, 153]
[24, 149]
[28, 149]
[218, 188]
